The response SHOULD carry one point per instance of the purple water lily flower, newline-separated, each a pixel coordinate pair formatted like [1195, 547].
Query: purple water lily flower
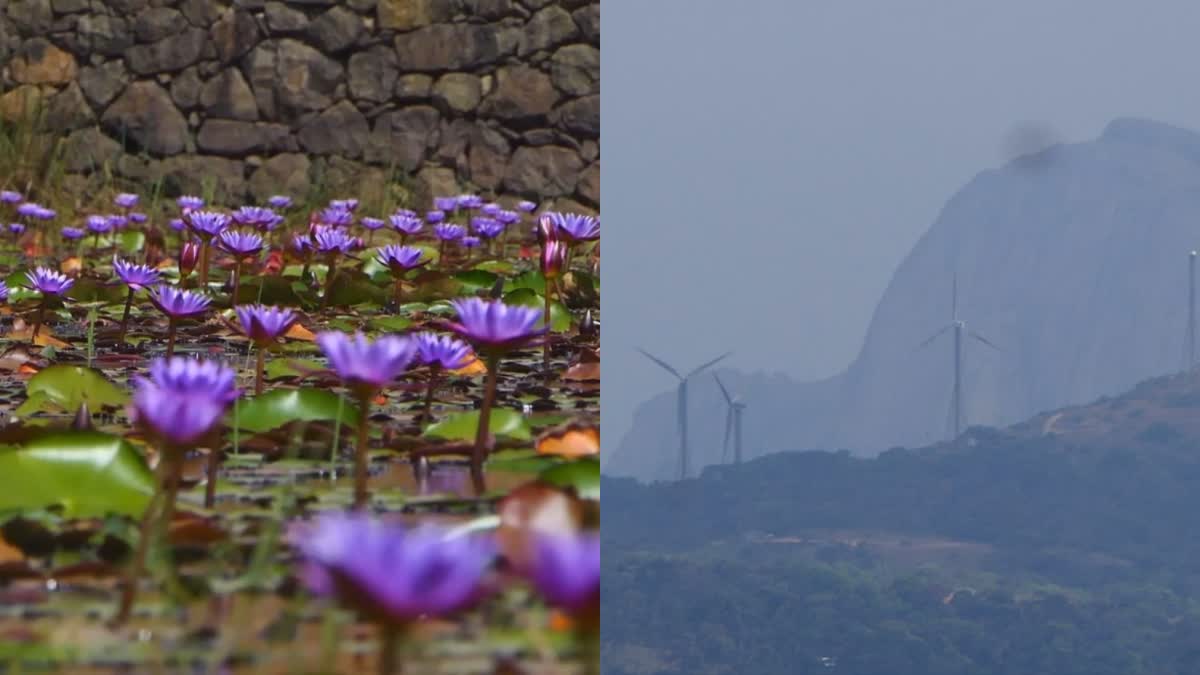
[468, 201]
[207, 224]
[240, 244]
[508, 217]
[189, 255]
[44, 213]
[98, 224]
[491, 209]
[390, 574]
[449, 231]
[301, 243]
[445, 203]
[28, 210]
[190, 202]
[183, 399]
[264, 325]
[488, 228]
[279, 202]
[72, 233]
[470, 241]
[48, 282]
[117, 222]
[331, 240]
[336, 217]
[566, 571]
[256, 216]
[405, 223]
[442, 351]
[372, 223]
[135, 276]
[3, 292]
[16, 228]
[435, 217]
[554, 258]
[364, 365]
[177, 224]
[126, 200]
[138, 218]
[494, 326]
[573, 226]
[399, 259]
[10, 197]
[178, 303]
[526, 206]
[350, 205]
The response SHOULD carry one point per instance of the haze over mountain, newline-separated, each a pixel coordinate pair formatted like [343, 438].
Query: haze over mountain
[1073, 261]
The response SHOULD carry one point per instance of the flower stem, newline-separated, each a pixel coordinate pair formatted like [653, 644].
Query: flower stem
[146, 532]
[37, 325]
[170, 337]
[237, 282]
[259, 366]
[399, 291]
[204, 264]
[210, 484]
[389, 651]
[427, 414]
[329, 277]
[478, 453]
[360, 452]
[125, 315]
[546, 340]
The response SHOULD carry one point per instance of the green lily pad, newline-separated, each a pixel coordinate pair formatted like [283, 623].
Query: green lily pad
[274, 290]
[560, 316]
[65, 387]
[475, 280]
[390, 323]
[520, 461]
[87, 473]
[581, 474]
[285, 367]
[504, 423]
[532, 280]
[496, 266]
[279, 407]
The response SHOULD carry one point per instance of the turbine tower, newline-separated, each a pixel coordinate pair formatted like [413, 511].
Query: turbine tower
[733, 423]
[1190, 343]
[681, 402]
[960, 330]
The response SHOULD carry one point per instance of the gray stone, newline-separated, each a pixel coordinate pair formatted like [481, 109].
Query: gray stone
[32, 17]
[313, 3]
[68, 110]
[157, 23]
[233, 35]
[372, 74]
[522, 94]
[68, 6]
[186, 88]
[341, 176]
[89, 149]
[144, 115]
[335, 30]
[340, 130]
[8, 39]
[192, 174]
[167, 55]
[201, 13]
[137, 169]
[362, 6]
[580, 117]
[535, 4]
[102, 83]
[402, 137]
[546, 171]
[458, 46]
[588, 188]
[228, 96]
[453, 139]
[128, 7]
[539, 137]
[37, 61]
[289, 78]
[283, 19]
[434, 181]
[413, 88]
[488, 159]
[104, 35]
[405, 15]
[549, 27]
[286, 174]
[457, 92]
[588, 20]
[575, 70]
[22, 102]
[492, 10]
[250, 5]
[589, 150]
[236, 138]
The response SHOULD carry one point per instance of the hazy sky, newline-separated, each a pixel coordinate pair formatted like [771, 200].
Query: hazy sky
[768, 163]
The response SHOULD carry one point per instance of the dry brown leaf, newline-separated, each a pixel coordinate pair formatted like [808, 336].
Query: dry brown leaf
[298, 332]
[72, 265]
[583, 372]
[44, 337]
[474, 367]
[570, 441]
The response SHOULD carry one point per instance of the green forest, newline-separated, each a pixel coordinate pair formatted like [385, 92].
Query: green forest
[1012, 556]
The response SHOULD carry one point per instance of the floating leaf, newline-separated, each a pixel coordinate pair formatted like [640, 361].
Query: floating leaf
[496, 266]
[504, 423]
[474, 367]
[279, 407]
[571, 441]
[87, 473]
[298, 332]
[66, 387]
[390, 323]
[476, 279]
[560, 316]
[531, 280]
[583, 475]
[520, 461]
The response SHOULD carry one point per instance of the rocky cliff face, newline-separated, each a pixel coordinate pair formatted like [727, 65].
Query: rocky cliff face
[262, 96]
[1073, 261]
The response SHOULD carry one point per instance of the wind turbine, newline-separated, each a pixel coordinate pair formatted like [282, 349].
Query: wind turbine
[733, 423]
[960, 329]
[681, 402]
[1190, 344]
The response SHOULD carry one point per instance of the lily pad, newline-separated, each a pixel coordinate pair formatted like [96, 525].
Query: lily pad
[582, 474]
[475, 280]
[274, 409]
[66, 387]
[560, 316]
[532, 280]
[87, 473]
[504, 423]
[520, 461]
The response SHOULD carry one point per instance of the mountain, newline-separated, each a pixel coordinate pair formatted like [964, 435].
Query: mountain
[1063, 544]
[1073, 261]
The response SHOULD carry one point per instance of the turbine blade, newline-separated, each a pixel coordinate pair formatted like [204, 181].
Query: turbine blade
[728, 398]
[660, 362]
[984, 340]
[954, 298]
[931, 338]
[710, 363]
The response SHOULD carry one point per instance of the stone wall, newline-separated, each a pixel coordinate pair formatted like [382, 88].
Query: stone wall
[263, 96]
